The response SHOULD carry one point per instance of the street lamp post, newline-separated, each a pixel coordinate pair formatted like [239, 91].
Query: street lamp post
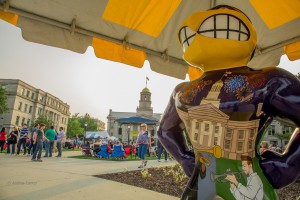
[128, 133]
[85, 125]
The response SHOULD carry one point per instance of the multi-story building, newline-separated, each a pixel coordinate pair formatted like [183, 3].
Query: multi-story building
[26, 103]
[144, 114]
[275, 133]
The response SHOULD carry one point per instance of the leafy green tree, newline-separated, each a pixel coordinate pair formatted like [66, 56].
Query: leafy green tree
[45, 120]
[282, 137]
[91, 123]
[3, 100]
[74, 127]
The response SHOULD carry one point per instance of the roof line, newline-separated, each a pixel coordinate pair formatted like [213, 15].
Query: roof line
[88, 33]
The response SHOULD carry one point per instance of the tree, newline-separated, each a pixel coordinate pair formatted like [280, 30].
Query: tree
[45, 120]
[74, 127]
[282, 137]
[91, 123]
[3, 100]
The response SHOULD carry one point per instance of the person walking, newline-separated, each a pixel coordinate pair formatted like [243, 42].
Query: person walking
[143, 141]
[49, 142]
[22, 139]
[32, 146]
[161, 149]
[60, 140]
[38, 138]
[77, 141]
[12, 140]
[2, 138]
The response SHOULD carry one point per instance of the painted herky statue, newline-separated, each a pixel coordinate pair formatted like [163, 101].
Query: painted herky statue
[226, 111]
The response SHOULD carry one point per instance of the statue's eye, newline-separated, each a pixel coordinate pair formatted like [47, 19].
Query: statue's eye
[186, 36]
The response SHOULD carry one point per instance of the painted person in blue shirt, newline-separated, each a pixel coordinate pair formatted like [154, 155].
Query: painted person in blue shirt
[143, 142]
[22, 139]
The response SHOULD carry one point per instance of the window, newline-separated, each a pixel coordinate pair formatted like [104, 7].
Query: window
[197, 125]
[22, 91]
[32, 95]
[229, 133]
[28, 122]
[206, 127]
[17, 120]
[20, 106]
[227, 144]
[286, 130]
[216, 141]
[23, 121]
[25, 108]
[252, 131]
[240, 146]
[62, 120]
[195, 136]
[41, 98]
[271, 130]
[30, 109]
[40, 111]
[28, 93]
[217, 129]
[241, 134]
[250, 144]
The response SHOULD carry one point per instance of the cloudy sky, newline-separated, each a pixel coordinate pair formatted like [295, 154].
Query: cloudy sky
[88, 84]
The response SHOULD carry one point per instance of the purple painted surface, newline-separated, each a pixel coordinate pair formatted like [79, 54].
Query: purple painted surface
[243, 90]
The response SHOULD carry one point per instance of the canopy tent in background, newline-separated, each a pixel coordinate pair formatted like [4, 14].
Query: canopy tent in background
[96, 134]
[136, 120]
[135, 30]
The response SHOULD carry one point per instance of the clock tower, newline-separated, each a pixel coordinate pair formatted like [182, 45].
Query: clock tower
[144, 107]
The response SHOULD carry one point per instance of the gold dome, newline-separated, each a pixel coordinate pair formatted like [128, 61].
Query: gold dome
[146, 90]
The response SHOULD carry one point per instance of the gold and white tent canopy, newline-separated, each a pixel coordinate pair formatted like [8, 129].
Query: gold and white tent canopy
[133, 31]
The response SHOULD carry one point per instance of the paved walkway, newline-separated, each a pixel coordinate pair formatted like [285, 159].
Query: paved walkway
[69, 178]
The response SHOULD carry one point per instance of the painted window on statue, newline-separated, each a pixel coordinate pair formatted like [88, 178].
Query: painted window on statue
[227, 144]
[197, 125]
[252, 131]
[206, 127]
[195, 136]
[250, 144]
[229, 133]
[240, 146]
[217, 129]
[241, 134]
[216, 141]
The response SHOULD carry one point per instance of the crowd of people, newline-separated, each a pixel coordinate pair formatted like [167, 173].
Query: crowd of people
[144, 146]
[32, 142]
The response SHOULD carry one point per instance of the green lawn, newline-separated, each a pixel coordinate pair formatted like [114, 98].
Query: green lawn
[110, 159]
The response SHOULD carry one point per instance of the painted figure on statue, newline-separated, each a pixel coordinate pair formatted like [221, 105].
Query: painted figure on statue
[226, 111]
